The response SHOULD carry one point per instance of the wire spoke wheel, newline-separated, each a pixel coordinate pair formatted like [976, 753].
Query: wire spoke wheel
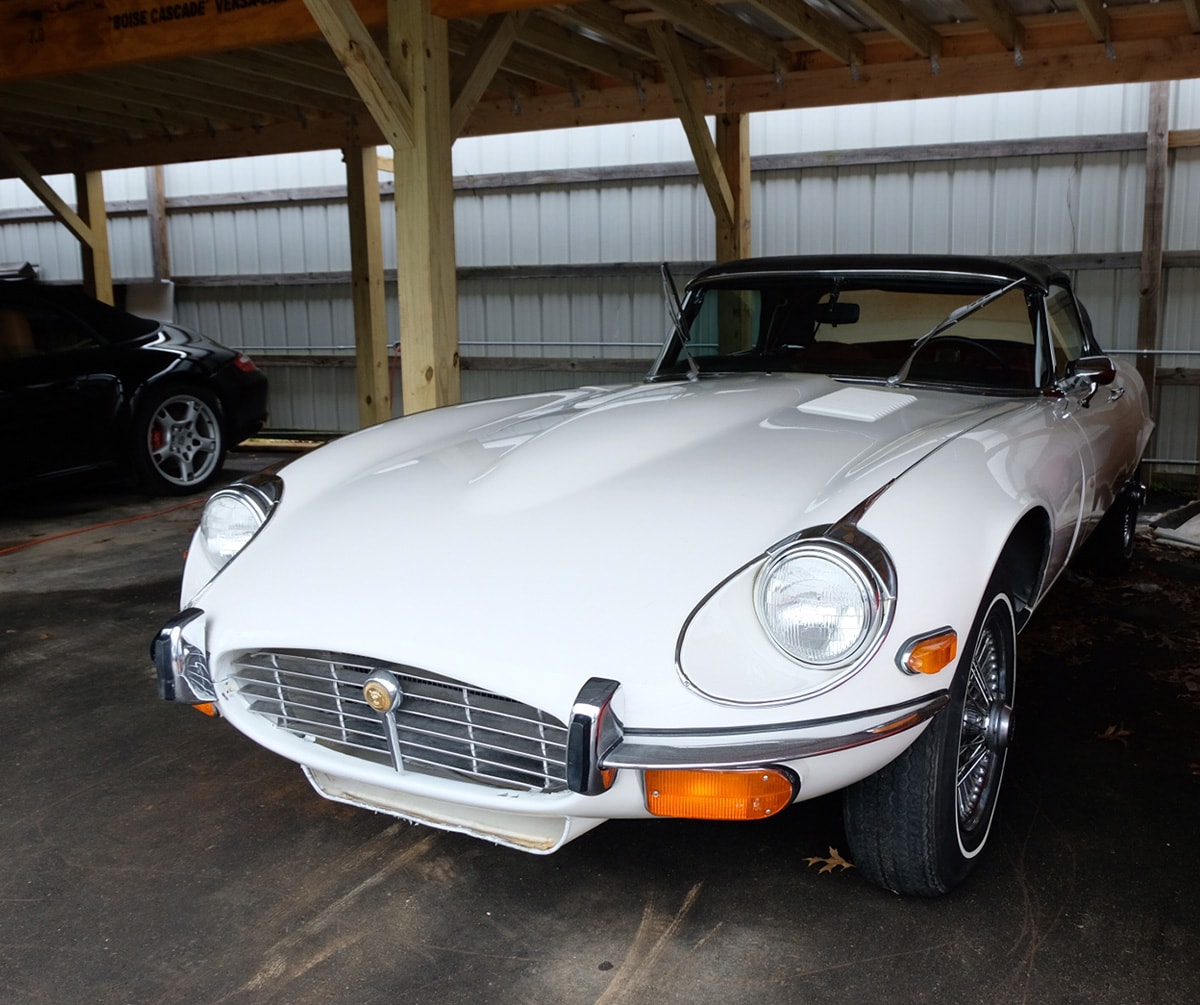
[986, 727]
[918, 825]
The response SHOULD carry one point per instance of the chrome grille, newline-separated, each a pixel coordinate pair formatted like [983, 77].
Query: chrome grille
[440, 726]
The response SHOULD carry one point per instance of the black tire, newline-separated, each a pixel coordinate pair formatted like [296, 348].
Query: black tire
[918, 826]
[178, 440]
[1110, 548]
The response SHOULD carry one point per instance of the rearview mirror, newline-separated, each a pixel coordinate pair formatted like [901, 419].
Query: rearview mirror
[838, 313]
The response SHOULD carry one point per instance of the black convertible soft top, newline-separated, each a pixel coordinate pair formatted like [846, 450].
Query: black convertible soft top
[1031, 271]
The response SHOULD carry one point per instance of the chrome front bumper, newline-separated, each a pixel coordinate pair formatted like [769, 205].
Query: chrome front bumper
[598, 743]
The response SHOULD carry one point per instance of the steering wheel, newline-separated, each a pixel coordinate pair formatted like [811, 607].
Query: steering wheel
[986, 349]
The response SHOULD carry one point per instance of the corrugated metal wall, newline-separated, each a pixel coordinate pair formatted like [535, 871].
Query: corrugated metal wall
[255, 272]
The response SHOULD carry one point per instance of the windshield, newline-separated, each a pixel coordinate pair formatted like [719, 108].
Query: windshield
[860, 328]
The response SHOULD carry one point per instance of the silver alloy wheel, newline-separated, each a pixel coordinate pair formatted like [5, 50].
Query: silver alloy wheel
[986, 728]
[183, 440]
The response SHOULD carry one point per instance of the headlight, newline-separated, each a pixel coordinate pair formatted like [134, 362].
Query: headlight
[822, 604]
[233, 515]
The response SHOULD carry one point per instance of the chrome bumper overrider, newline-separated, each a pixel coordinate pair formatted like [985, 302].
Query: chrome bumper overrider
[183, 673]
[598, 743]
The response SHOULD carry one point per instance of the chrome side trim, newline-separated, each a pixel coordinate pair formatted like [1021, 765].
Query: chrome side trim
[183, 673]
[594, 732]
[768, 745]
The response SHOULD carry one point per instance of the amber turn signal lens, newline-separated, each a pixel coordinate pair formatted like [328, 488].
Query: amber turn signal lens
[929, 655]
[207, 707]
[719, 795]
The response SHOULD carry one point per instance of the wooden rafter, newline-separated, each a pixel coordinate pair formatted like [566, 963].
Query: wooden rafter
[904, 23]
[366, 67]
[569, 46]
[479, 64]
[1000, 20]
[523, 63]
[305, 75]
[721, 29]
[255, 88]
[96, 112]
[609, 23]
[1095, 15]
[1193, 13]
[691, 115]
[818, 30]
[476, 8]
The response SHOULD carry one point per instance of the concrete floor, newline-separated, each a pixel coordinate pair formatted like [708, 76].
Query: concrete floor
[151, 854]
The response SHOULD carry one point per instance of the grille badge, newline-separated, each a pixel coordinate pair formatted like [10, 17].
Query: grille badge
[382, 691]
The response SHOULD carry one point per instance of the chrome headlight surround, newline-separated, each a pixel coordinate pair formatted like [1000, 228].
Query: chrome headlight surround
[234, 515]
[826, 601]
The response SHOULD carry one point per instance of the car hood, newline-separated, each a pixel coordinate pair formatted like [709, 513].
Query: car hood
[490, 541]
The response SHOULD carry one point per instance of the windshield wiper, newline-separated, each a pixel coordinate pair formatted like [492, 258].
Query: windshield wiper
[675, 312]
[949, 321]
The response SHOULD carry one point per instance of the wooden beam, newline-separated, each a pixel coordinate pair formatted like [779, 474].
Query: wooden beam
[1193, 13]
[479, 64]
[24, 170]
[1153, 231]
[691, 115]
[366, 67]
[570, 46]
[474, 8]
[94, 252]
[609, 23]
[906, 25]
[721, 29]
[733, 151]
[816, 29]
[44, 38]
[427, 287]
[363, 204]
[1095, 15]
[1000, 21]
[156, 218]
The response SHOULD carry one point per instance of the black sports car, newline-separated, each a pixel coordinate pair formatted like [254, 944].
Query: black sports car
[85, 387]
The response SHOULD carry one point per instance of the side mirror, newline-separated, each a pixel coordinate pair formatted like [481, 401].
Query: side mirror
[1092, 371]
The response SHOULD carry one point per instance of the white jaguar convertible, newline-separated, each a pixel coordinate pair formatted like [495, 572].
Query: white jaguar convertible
[793, 560]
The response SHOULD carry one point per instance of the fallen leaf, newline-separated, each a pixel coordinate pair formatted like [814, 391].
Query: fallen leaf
[834, 861]
[1118, 733]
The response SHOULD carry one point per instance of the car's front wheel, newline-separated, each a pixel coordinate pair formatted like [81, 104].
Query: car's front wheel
[918, 825]
[179, 442]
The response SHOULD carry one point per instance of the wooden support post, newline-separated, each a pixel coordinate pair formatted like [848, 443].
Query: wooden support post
[366, 280]
[1153, 227]
[156, 214]
[97, 261]
[733, 151]
[420, 58]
